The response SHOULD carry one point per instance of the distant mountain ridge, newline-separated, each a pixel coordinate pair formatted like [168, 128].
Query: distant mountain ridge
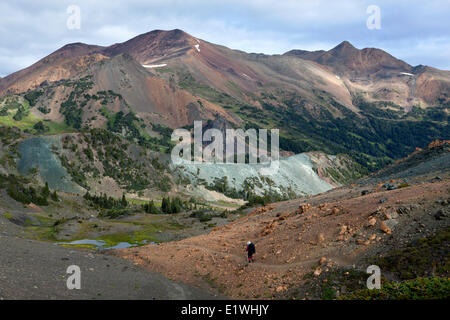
[346, 60]
[177, 46]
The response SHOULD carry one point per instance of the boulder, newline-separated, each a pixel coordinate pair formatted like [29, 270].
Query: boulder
[440, 215]
[317, 272]
[303, 208]
[391, 223]
[320, 237]
[343, 230]
[385, 228]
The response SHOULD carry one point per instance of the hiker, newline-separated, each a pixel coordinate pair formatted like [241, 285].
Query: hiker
[250, 251]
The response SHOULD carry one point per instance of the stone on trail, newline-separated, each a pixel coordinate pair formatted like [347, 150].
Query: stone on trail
[385, 228]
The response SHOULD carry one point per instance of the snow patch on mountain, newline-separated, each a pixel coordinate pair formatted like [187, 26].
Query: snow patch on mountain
[154, 65]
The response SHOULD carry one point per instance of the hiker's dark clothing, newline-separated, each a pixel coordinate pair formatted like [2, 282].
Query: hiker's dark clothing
[251, 251]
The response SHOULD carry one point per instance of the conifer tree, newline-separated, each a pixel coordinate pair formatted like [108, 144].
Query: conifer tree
[124, 201]
[54, 196]
[46, 191]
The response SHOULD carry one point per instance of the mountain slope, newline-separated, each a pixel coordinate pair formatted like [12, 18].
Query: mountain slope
[64, 63]
[383, 76]
[148, 96]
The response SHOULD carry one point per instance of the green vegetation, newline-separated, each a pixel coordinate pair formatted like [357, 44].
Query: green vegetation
[422, 258]
[20, 114]
[121, 122]
[8, 215]
[54, 196]
[22, 118]
[40, 127]
[9, 135]
[44, 228]
[163, 144]
[386, 132]
[267, 197]
[347, 174]
[18, 189]
[172, 205]
[151, 208]
[422, 270]
[164, 70]
[132, 170]
[187, 81]
[114, 213]
[166, 132]
[147, 232]
[106, 96]
[221, 185]
[44, 110]
[11, 102]
[131, 127]
[248, 190]
[206, 215]
[416, 289]
[72, 107]
[33, 96]
[77, 173]
[373, 141]
[201, 215]
[108, 206]
[104, 202]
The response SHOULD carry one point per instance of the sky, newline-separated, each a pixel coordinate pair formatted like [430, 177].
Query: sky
[415, 31]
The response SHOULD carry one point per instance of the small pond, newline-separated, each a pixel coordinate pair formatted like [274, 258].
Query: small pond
[103, 245]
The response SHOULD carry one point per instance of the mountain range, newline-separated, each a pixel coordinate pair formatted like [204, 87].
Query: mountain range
[363, 103]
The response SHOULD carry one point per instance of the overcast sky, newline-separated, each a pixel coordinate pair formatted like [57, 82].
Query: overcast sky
[416, 31]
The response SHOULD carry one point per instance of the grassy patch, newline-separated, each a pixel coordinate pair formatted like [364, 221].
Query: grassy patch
[416, 289]
[139, 237]
[422, 258]
[422, 268]
[164, 70]
[189, 83]
[145, 234]
[8, 215]
[28, 121]
[44, 231]
[134, 201]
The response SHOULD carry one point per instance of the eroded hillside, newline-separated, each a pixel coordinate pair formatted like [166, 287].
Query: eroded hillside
[338, 233]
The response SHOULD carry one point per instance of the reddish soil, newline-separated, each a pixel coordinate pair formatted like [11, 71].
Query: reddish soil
[336, 228]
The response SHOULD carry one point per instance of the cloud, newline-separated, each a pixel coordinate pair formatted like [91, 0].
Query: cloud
[413, 30]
